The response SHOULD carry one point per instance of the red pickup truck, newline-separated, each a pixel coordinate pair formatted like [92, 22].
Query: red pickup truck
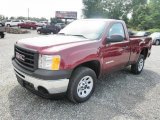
[71, 61]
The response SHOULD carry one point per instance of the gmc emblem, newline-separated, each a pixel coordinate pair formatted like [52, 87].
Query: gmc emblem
[20, 56]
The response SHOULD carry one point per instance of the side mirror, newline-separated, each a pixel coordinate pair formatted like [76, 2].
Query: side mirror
[115, 38]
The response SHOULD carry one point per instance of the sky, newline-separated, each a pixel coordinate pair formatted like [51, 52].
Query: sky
[39, 8]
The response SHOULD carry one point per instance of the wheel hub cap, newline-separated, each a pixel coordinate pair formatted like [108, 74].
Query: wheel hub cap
[140, 65]
[85, 86]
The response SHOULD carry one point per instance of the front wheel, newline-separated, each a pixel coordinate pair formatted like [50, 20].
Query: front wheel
[1, 35]
[138, 66]
[81, 85]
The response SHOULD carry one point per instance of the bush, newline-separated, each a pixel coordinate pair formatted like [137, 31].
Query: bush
[153, 30]
[16, 30]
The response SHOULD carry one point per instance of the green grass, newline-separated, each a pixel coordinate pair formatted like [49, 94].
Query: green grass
[153, 30]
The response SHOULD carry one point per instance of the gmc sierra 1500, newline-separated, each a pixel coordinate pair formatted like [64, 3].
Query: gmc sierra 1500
[72, 60]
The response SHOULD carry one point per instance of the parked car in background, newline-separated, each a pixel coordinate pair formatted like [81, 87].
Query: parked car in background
[48, 29]
[28, 25]
[12, 23]
[2, 30]
[42, 23]
[60, 25]
[142, 33]
[130, 33]
[155, 38]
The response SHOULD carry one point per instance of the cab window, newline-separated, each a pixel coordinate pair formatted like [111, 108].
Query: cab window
[116, 29]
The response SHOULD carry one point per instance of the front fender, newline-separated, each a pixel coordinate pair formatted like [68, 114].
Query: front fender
[81, 56]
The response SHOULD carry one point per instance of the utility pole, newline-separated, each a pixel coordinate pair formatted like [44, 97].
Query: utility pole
[28, 13]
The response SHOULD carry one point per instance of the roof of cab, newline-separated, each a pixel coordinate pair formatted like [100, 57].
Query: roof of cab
[105, 20]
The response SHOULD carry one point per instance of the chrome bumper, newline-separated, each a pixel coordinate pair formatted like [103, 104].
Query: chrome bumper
[52, 86]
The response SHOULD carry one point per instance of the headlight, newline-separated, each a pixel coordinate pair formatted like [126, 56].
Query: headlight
[49, 62]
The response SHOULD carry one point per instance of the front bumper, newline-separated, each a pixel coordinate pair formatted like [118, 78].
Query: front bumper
[43, 86]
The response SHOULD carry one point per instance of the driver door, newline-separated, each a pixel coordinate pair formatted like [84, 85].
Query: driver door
[116, 54]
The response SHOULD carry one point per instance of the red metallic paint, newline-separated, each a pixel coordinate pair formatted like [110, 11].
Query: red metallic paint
[77, 50]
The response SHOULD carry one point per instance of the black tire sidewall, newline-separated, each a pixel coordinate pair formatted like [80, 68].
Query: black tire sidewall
[134, 67]
[158, 42]
[75, 79]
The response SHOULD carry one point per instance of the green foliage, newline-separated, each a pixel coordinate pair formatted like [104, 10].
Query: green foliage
[38, 19]
[146, 16]
[114, 9]
[153, 30]
[93, 8]
[23, 18]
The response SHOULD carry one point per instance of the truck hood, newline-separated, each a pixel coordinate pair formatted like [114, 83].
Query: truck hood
[43, 42]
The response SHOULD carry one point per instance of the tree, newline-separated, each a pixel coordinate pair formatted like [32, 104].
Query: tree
[93, 8]
[154, 7]
[139, 17]
[22, 18]
[146, 16]
[114, 9]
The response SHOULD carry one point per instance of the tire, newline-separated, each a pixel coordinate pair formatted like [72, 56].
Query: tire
[79, 90]
[19, 26]
[137, 68]
[8, 25]
[157, 42]
[2, 35]
[39, 32]
[31, 28]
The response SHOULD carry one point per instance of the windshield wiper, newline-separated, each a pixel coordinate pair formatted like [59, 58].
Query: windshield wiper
[72, 35]
[79, 36]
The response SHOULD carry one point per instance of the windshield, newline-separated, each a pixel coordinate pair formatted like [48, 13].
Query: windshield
[90, 29]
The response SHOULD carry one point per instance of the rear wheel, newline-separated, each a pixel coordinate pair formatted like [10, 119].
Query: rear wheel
[157, 42]
[39, 32]
[31, 28]
[81, 85]
[8, 25]
[138, 66]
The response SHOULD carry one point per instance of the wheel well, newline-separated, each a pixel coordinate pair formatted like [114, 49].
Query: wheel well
[144, 52]
[94, 65]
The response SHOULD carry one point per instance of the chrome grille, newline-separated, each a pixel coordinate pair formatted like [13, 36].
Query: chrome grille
[26, 58]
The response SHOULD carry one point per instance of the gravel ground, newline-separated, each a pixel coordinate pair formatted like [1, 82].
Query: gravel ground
[120, 96]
